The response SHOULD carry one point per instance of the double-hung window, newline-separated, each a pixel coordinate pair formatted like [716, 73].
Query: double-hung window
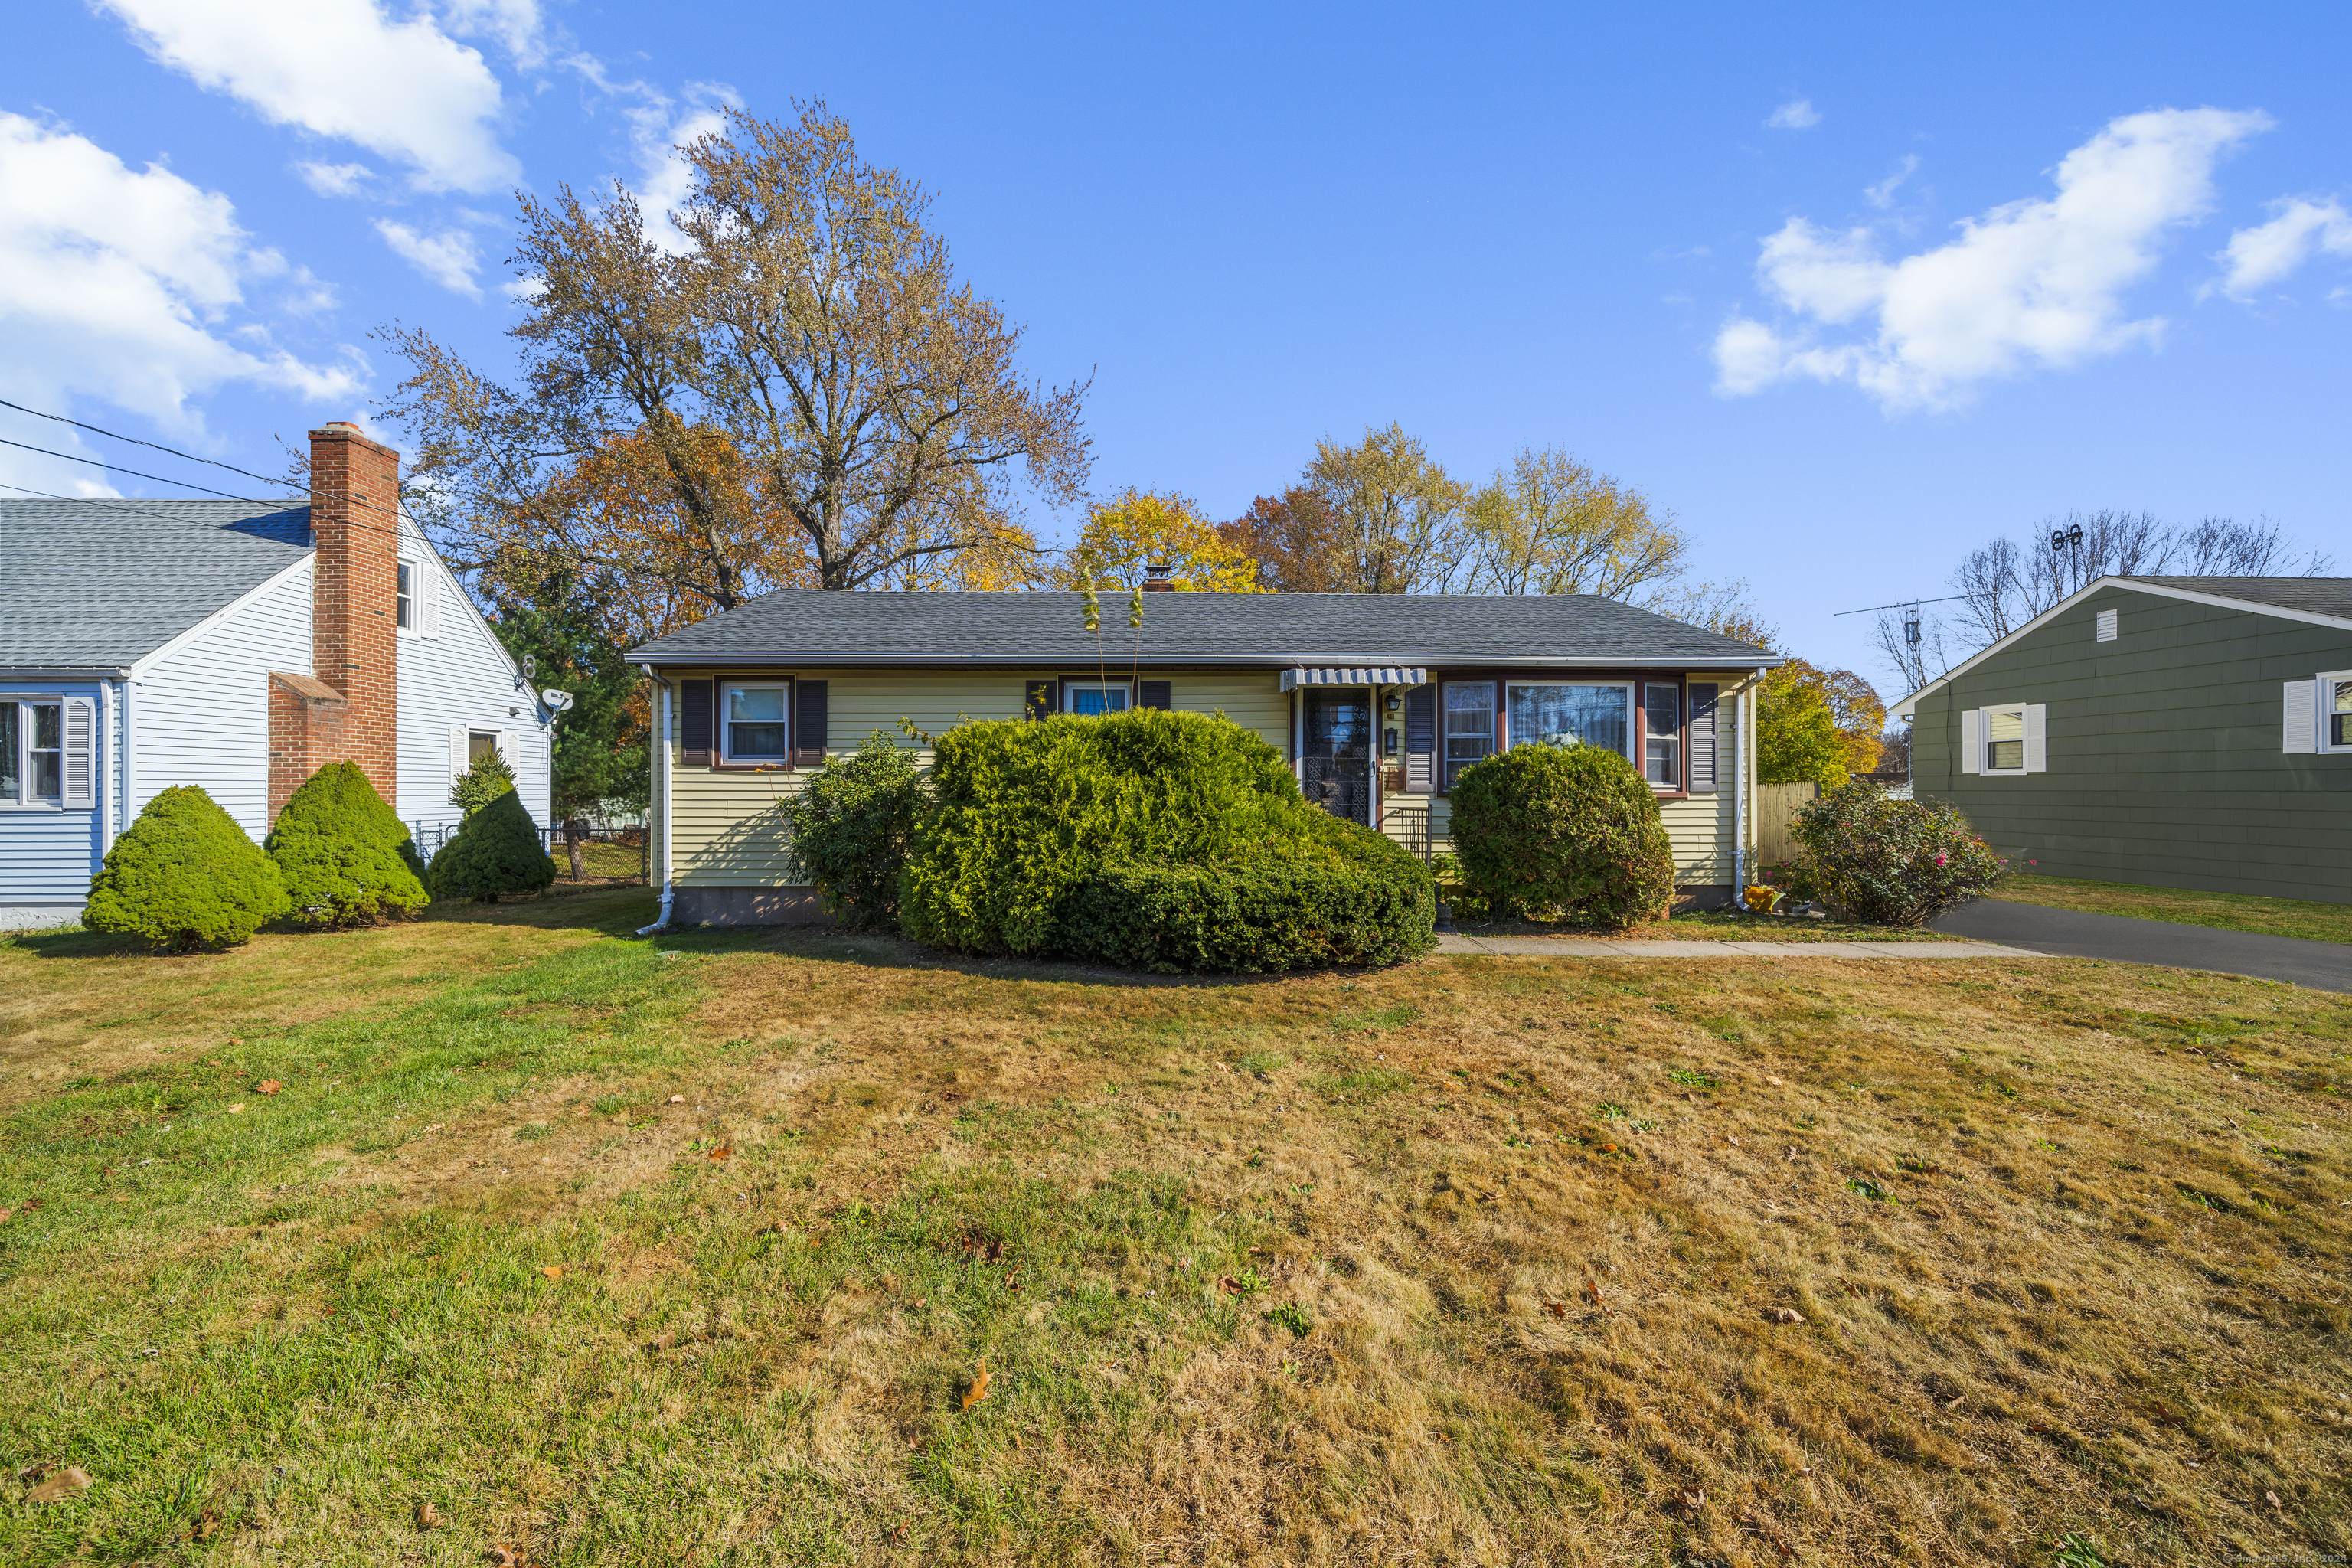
[1469, 724]
[2004, 740]
[1662, 739]
[405, 599]
[757, 725]
[2335, 712]
[1573, 713]
[1094, 698]
[33, 752]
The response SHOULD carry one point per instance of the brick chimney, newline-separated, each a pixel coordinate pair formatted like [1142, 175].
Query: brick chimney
[1156, 578]
[346, 709]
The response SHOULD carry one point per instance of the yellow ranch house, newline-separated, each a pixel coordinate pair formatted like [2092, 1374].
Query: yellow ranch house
[1378, 701]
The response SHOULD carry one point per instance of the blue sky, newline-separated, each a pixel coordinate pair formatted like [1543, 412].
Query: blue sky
[1849, 291]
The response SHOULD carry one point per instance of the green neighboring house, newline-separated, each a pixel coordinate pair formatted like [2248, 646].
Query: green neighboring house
[2174, 732]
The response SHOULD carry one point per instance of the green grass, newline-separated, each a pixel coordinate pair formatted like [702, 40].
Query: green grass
[2182, 906]
[788, 1247]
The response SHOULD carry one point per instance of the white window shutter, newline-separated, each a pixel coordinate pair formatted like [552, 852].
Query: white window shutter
[2299, 731]
[428, 597]
[459, 738]
[2037, 746]
[511, 748]
[1972, 741]
[79, 761]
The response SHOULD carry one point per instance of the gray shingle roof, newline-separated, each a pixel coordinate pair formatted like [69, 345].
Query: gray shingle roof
[101, 583]
[2314, 595]
[816, 626]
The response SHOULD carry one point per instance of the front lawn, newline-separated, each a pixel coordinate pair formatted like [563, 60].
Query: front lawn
[2229, 911]
[787, 1246]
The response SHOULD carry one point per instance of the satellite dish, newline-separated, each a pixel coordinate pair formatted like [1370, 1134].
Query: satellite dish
[557, 702]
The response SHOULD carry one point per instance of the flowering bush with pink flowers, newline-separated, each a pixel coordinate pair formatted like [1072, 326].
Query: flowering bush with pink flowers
[1891, 862]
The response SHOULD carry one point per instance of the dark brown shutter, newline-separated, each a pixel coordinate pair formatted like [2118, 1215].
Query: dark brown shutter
[1700, 768]
[1421, 740]
[1044, 697]
[1159, 694]
[809, 721]
[694, 721]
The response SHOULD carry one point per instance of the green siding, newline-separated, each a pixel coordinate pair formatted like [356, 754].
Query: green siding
[2163, 752]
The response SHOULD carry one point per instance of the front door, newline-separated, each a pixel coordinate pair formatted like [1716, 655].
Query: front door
[1337, 772]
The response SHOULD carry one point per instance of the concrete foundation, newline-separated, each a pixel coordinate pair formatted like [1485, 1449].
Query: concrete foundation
[748, 907]
[1702, 897]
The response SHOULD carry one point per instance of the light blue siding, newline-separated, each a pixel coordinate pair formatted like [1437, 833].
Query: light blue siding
[461, 678]
[202, 707]
[48, 855]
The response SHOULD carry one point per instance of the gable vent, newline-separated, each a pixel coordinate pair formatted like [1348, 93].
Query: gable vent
[2106, 625]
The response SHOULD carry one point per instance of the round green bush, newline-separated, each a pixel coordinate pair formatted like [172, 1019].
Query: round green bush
[495, 852]
[850, 829]
[339, 846]
[185, 876]
[1026, 814]
[1567, 833]
[1891, 862]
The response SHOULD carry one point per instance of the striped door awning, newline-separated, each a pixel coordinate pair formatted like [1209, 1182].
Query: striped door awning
[1360, 675]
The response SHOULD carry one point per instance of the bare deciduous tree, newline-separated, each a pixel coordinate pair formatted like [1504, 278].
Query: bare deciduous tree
[808, 388]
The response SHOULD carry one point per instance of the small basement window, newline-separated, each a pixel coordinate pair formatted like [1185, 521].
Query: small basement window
[2004, 740]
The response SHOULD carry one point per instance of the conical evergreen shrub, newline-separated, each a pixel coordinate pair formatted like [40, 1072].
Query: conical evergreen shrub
[339, 848]
[185, 876]
[497, 851]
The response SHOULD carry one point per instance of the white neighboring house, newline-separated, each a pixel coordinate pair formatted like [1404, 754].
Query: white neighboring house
[240, 647]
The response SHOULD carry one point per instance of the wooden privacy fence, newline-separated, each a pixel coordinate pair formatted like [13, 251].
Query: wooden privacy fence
[1776, 809]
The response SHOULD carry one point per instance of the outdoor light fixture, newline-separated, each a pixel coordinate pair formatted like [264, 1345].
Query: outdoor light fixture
[1395, 702]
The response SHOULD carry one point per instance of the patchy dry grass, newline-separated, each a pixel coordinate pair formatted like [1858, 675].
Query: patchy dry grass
[697, 1251]
[2183, 906]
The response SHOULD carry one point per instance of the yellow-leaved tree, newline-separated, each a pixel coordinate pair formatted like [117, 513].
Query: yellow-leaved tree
[1139, 529]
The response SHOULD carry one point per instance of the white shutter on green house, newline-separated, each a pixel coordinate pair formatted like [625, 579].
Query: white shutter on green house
[2299, 724]
[1972, 741]
[2037, 745]
[78, 760]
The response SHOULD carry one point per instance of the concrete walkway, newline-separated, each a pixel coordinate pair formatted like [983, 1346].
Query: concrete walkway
[1562, 947]
[2075, 933]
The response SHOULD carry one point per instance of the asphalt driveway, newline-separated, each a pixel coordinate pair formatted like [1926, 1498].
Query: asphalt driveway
[2075, 933]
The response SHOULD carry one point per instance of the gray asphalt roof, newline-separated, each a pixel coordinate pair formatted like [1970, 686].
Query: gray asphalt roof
[1251, 628]
[104, 582]
[2314, 595]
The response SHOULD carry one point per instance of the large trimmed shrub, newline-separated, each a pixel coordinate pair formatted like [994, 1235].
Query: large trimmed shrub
[1371, 904]
[339, 845]
[1567, 833]
[1891, 862]
[185, 876]
[1025, 815]
[495, 852]
[851, 827]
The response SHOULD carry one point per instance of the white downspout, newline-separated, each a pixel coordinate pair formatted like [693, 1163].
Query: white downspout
[1742, 773]
[658, 760]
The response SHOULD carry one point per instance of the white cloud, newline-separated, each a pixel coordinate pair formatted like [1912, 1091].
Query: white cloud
[2033, 283]
[447, 257]
[1882, 194]
[658, 126]
[1797, 114]
[517, 25]
[405, 91]
[131, 286]
[2260, 257]
[335, 179]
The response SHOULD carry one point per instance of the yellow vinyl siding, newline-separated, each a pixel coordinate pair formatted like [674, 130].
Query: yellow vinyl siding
[725, 822]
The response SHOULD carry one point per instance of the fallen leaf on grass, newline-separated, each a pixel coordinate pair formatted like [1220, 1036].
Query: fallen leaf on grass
[59, 1485]
[206, 1526]
[1592, 1293]
[502, 1556]
[553, 1271]
[721, 1153]
[1229, 1285]
[979, 1389]
[267, 1086]
[1557, 1309]
[1784, 1315]
[238, 1109]
[677, 1099]
[2272, 1498]
[427, 1516]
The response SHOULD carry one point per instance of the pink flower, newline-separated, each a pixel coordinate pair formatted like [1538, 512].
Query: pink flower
[1941, 859]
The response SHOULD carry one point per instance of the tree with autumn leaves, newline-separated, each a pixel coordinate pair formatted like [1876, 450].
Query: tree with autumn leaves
[802, 394]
